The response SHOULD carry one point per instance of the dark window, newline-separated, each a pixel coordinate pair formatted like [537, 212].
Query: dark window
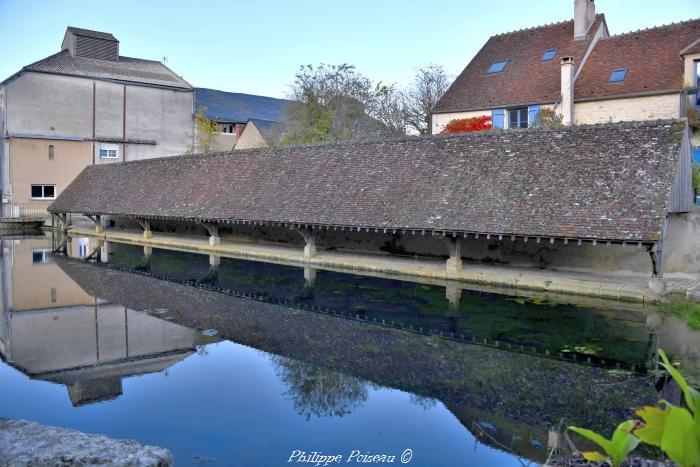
[50, 152]
[517, 118]
[697, 82]
[43, 191]
[497, 67]
[618, 75]
[37, 256]
[549, 55]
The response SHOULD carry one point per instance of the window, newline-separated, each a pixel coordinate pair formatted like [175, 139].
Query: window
[618, 75]
[697, 83]
[43, 191]
[549, 55]
[109, 151]
[40, 256]
[497, 67]
[517, 118]
[50, 152]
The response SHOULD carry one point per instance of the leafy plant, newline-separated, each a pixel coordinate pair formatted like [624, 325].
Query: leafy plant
[547, 118]
[676, 430]
[467, 125]
[617, 448]
[696, 177]
[688, 310]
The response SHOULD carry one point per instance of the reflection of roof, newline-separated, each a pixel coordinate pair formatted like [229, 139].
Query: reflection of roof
[126, 69]
[605, 182]
[238, 107]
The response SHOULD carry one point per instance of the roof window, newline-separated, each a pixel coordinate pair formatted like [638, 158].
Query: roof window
[497, 67]
[549, 55]
[618, 75]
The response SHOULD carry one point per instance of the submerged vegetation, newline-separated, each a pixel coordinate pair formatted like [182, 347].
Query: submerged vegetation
[688, 310]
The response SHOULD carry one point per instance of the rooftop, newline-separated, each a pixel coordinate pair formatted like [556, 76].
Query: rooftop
[238, 107]
[125, 69]
[606, 182]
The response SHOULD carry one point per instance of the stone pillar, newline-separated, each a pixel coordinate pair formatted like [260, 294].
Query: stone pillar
[146, 226]
[214, 238]
[98, 225]
[309, 276]
[454, 246]
[453, 293]
[310, 246]
[214, 261]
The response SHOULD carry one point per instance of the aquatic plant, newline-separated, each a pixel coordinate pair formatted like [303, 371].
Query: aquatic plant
[675, 430]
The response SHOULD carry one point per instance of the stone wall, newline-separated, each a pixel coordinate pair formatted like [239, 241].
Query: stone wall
[627, 109]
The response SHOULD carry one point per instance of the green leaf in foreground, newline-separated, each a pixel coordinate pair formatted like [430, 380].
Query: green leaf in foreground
[622, 443]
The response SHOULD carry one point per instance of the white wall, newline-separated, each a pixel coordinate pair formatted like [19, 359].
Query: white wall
[628, 109]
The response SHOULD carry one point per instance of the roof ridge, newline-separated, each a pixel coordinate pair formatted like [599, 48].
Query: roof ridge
[653, 28]
[394, 139]
[245, 94]
[557, 23]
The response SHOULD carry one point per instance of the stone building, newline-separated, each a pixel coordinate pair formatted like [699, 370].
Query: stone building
[86, 105]
[581, 71]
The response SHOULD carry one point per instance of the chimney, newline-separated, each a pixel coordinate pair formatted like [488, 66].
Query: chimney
[567, 90]
[584, 15]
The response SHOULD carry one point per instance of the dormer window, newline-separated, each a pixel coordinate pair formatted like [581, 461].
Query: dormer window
[497, 67]
[549, 55]
[618, 75]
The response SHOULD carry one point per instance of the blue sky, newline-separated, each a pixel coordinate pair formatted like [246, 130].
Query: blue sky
[257, 46]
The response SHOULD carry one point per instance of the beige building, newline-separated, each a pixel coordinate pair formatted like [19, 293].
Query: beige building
[582, 72]
[86, 105]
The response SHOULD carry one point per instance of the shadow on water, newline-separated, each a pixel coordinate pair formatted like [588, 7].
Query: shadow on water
[332, 338]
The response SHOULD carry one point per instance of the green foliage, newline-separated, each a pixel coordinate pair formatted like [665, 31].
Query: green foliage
[617, 448]
[676, 430]
[696, 177]
[205, 132]
[547, 118]
[688, 310]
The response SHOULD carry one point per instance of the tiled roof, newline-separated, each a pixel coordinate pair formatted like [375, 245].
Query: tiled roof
[126, 69]
[90, 33]
[237, 107]
[605, 182]
[525, 79]
[652, 58]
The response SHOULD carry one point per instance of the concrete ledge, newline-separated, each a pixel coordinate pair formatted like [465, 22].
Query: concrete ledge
[28, 443]
[616, 288]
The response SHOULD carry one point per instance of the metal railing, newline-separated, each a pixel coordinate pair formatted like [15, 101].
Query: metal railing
[23, 211]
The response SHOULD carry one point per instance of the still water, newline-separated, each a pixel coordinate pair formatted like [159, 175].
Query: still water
[234, 362]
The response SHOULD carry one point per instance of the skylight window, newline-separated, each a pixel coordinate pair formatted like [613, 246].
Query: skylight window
[497, 67]
[618, 75]
[549, 55]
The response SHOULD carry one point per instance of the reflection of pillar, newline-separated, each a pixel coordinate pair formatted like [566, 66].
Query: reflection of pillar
[453, 293]
[214, 261]
[105, 250]
[309, 276]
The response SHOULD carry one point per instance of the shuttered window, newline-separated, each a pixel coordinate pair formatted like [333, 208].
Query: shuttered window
[532, 112]
[498, 118]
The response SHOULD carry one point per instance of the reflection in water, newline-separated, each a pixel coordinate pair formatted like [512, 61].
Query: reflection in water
[88, 325]
[317, 391]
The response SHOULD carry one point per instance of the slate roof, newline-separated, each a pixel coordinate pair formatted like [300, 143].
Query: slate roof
[525, 79]
[652, 58]
[605, 182]
[94, 34]
[237, 107]
[126, 69]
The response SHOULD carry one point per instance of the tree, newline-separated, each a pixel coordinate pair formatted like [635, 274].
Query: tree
[335, 102]
[428, 86]
[205, 132]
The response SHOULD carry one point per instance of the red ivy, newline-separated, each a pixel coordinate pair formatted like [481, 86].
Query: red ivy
[463, 125]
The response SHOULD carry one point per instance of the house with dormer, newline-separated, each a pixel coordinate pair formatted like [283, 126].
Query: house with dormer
[581, 71]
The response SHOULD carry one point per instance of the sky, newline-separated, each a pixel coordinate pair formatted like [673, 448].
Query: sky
[256, 47]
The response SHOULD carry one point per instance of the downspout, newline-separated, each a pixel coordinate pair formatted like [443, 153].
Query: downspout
[93, 122]
[124, 127]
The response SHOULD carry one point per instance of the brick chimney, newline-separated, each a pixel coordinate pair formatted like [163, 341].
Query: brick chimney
[584, 15]
[567, 90]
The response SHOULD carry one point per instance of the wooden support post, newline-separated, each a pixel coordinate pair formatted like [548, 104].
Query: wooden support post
[657, 283]
[213, 230]
[310, 242]
[454, 246]
[146, 226]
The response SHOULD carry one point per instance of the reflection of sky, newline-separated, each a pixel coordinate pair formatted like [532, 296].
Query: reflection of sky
[696, 155]
[230, 405]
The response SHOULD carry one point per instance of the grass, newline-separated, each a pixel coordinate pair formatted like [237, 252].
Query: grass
[688, 310]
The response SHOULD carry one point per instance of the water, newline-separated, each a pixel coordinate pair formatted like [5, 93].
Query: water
[233, 362]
